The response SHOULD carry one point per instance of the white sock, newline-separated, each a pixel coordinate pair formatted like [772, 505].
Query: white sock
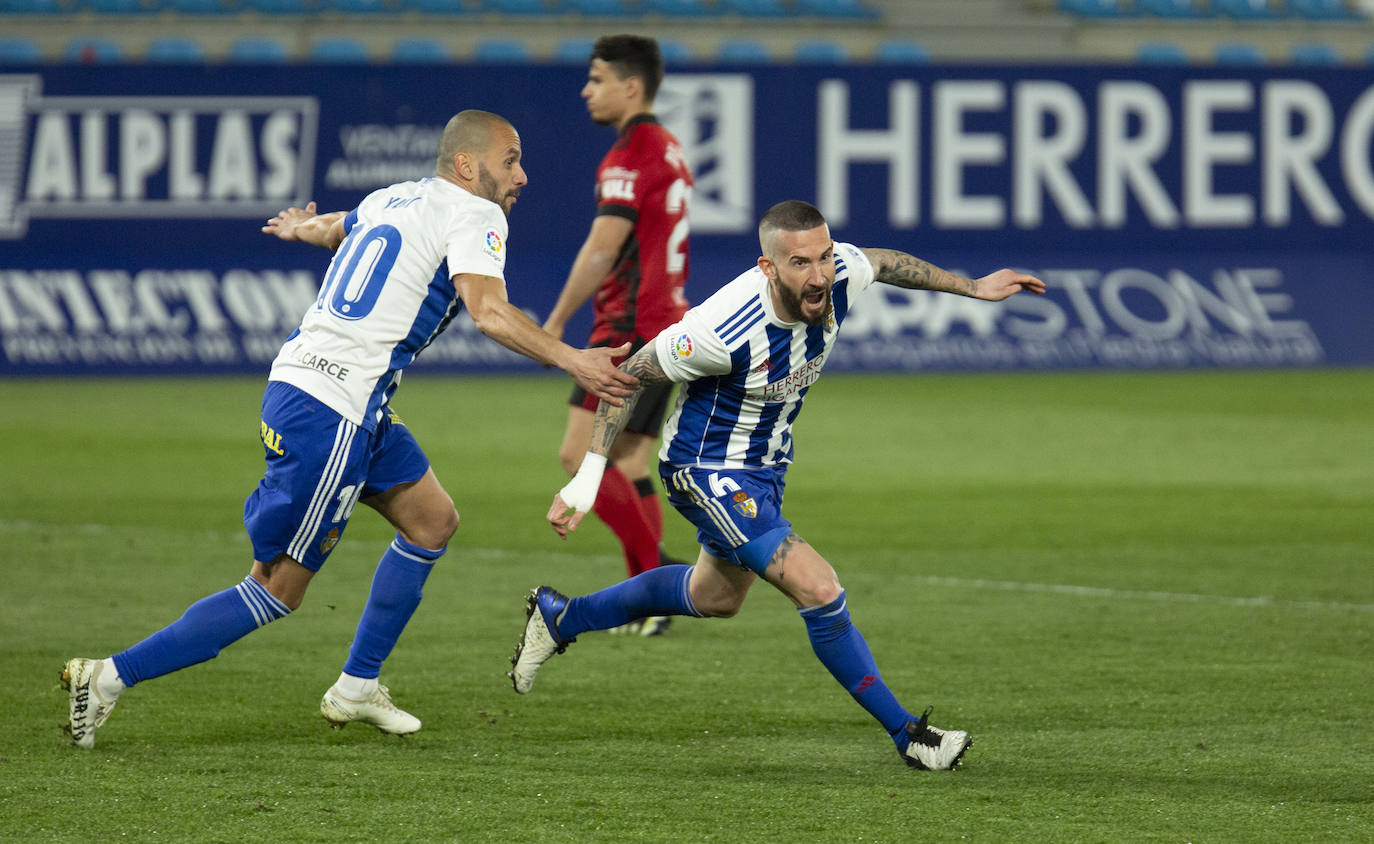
[356, 688]
[107, 682]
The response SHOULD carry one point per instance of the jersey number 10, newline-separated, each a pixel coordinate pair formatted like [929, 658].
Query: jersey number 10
[359, 270]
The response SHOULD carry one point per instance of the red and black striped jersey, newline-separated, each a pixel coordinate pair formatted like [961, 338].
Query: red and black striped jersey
[645, 179]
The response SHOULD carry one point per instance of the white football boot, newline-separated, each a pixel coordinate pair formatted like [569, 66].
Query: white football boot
[540, 639]
[377, 710]
[934, 749]
[87, 710]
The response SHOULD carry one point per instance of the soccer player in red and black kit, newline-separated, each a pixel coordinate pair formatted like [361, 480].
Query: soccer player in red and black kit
[635, 262]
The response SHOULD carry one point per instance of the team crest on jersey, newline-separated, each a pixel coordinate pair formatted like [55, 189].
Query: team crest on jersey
[327, 544]
[747, 507]
[830, 320]
[682, 346]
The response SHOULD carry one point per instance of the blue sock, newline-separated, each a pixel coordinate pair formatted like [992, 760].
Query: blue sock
[842, 649]
[658, 591]
[209, 625]
[395, 594]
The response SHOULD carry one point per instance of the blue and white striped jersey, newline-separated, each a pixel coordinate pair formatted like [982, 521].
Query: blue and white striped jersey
[745, 371]
[389, 292]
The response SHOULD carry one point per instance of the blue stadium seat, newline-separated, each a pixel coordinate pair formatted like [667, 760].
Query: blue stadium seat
[255, 50]
[679, 8]
[1238, 53]
[1172, 8]
[20, 51]
[173, 50]
[1321, 10]
[674, 51]
[844, 9]
[1245, 9]
[197, 7]
[438, 7]
[357, 7]
[573, 50]
[121, 7]
[743, 51]
[901, 51]
[1161, 52]
[279, 7]
[1094, 8]
[599, 7]
[39, 7]
[1311, 53]
[754, 8]
[515, 7]
[339, 51]
[93, 50]
[502, 51]
[419, 51]
[820, 51]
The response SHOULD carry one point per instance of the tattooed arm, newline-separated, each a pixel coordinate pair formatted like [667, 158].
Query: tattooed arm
[610, 421]
[902, 270]
[574, 500]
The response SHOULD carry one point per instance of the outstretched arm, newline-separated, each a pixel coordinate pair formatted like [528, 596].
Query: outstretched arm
[305, 225]
[594, 261]
[485, 298]
[574, 500]
[902, 270]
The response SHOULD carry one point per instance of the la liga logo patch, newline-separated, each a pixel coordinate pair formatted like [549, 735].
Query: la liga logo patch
[682, 346]
[493, 242]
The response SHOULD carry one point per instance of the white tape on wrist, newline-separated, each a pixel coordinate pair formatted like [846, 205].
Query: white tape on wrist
[580, 492]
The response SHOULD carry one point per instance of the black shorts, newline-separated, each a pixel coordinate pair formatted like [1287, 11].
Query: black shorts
[649, 413]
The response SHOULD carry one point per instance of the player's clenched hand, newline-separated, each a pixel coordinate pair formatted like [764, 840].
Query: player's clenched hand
[594, 372]
[564, 517]
[577, 496]
[1003, 283]
[284, 224]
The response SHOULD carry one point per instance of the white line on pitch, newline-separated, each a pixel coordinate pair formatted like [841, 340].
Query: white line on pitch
[1136, 594]
[933, 580]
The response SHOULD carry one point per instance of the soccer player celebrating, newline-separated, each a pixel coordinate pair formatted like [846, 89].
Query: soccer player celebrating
[635, 262]
[330, 437]
[746, 357]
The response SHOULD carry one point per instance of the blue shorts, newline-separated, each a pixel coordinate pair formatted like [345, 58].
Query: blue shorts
[738, 512]
[318, 466]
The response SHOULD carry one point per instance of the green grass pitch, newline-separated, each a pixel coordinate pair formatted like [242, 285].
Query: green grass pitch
[1150, 597]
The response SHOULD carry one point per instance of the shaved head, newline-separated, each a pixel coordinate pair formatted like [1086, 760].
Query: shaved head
[467, 131]
[789, 216]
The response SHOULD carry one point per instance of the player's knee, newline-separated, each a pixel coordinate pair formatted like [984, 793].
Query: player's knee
[450, 525]
[292, 603]
[718, 603]
[723, 610]
[436, 531]
[284, 579]
[816, 591]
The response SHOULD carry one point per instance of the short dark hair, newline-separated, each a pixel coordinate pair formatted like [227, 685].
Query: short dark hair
[791, 215]
[632, 55]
